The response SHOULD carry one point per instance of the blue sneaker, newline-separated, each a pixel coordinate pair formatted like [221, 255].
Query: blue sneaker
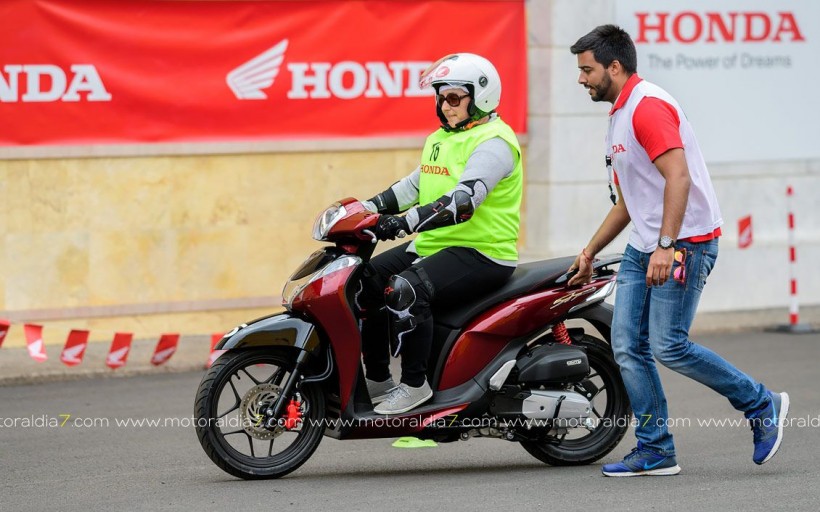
[767, 426]
[642, 462]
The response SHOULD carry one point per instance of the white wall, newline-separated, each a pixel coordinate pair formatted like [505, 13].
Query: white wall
[567, 195]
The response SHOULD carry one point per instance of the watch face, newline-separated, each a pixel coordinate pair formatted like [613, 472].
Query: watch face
[665, 242]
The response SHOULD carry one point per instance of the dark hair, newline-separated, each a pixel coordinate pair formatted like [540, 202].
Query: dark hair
[608, 43]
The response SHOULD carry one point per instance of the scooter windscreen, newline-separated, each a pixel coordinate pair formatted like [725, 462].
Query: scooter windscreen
[320, 264]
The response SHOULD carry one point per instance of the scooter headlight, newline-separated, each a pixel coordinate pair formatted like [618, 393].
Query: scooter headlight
[294, 288]
[326, 220]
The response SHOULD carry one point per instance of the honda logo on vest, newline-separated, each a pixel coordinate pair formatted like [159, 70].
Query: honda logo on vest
[316, 80]
[435, 169]
[618, 148]
[47, 82]
[717, 27]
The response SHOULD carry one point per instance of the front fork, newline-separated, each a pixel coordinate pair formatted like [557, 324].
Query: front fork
[275, 411]
[292, 384]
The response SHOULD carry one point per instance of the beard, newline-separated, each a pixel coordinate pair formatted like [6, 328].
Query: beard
[602, 89]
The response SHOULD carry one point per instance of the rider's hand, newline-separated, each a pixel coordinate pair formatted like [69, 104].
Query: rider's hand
[660, 266]
[583, 264]
[388, 227]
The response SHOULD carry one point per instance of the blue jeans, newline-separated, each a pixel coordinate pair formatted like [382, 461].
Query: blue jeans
[653, 323]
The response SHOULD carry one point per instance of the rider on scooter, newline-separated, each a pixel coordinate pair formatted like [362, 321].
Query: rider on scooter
[464, 200]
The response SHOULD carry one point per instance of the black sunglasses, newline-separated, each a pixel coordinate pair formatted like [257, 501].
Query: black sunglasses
[452, 99]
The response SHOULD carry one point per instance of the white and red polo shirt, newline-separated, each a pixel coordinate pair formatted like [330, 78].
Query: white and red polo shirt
[644, 123]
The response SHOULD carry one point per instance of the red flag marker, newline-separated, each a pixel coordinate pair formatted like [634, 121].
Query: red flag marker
[74, 349]
[744, 232]
[166, 347]
[34, 341]
[4, 329]
[118, 353]
[214, 353]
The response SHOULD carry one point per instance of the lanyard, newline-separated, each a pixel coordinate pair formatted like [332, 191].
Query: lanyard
[612, 196]
[609, 170]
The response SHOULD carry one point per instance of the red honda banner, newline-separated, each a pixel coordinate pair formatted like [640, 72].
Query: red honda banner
[74, 349]
[166, 346]
[4, 329]
[138, 71]
[34, 342]
[118, 353]
[744, 232]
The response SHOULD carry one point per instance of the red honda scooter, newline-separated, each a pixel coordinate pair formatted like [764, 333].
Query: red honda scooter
[502, 366]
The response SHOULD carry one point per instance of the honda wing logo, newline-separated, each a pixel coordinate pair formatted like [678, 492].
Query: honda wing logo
[248, 80]
[346, 79]
[117, 358]
[163, 355]
[73, 355]
[36, 349]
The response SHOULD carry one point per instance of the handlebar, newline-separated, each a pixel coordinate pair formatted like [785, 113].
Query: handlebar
[401, 234]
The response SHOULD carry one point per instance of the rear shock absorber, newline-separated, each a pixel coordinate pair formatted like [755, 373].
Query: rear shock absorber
[559, 332]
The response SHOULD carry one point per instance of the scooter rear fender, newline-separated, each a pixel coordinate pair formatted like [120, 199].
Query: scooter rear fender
[599, 315]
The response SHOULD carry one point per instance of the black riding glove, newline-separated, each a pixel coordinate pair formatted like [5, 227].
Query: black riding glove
[388, 227]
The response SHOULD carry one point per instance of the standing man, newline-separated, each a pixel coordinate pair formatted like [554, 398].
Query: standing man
[665, 190]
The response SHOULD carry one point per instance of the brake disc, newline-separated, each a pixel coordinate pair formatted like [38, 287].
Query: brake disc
[252, 411]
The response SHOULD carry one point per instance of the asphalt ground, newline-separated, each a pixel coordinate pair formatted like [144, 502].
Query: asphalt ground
[88, 464]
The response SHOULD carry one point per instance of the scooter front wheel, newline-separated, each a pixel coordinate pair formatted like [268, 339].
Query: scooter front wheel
[230, 415]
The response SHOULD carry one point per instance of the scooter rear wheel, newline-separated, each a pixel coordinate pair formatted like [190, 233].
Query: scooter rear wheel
[230, 405]
[611, 415]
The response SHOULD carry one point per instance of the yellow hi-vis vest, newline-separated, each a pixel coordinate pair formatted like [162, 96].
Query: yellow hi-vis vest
[493, 228]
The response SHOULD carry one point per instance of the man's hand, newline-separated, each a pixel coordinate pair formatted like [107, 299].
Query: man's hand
[660, 266]
[583, 264]
[388, 227]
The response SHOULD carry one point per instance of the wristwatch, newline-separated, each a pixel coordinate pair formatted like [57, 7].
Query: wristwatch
[666, 242]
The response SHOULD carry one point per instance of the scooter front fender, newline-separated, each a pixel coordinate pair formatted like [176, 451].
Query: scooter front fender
[280, 330]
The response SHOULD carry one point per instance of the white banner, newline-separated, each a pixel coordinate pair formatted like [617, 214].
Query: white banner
[747, 73]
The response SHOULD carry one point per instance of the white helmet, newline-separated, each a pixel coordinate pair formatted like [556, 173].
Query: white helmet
[472, 71]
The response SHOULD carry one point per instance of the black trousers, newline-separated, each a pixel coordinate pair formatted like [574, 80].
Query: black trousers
[457, 274]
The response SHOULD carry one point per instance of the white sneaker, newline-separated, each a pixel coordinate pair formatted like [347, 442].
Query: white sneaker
[379, 391]
[403, 398]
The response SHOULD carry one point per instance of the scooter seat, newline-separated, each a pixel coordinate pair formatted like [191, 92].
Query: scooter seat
[526, 277]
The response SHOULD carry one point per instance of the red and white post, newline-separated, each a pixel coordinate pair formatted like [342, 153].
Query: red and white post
[794, 306]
